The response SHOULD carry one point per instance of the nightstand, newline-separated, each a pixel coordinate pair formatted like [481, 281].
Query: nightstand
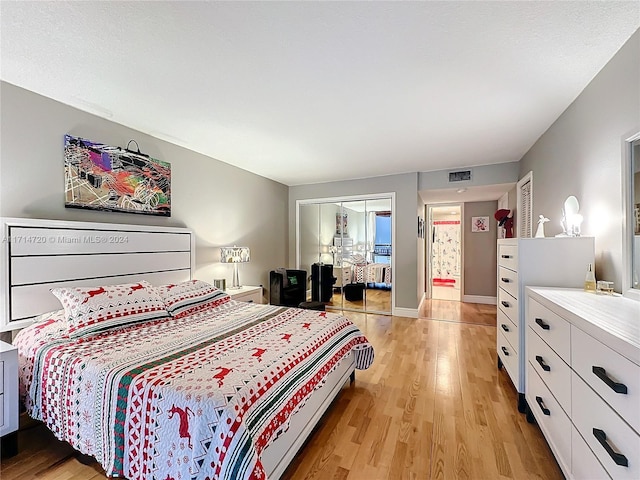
[246, 293]
[9, 399]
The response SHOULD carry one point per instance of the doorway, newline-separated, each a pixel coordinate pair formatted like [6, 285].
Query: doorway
[444, 252]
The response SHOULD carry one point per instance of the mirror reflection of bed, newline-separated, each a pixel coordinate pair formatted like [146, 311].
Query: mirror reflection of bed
[354, 237]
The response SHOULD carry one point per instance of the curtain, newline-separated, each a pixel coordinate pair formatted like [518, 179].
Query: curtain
[445, 260]
[371, 235]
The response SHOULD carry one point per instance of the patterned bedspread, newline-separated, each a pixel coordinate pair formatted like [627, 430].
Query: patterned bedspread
[193, 398]
[372, 273]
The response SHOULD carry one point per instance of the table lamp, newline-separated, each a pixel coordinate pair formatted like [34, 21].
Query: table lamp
[234, 255]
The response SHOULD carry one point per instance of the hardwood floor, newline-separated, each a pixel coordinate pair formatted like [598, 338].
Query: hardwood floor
[377, 300]
[458, 312]
[432, 406]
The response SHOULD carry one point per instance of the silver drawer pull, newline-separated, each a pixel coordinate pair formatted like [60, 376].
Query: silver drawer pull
[615, 456]
[601, 373]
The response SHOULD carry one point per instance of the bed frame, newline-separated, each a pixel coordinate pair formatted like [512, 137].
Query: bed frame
[38, 255]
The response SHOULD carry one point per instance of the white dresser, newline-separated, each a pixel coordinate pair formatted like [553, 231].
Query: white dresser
[8, 397]
[246, 293]
[555, 261]
[583, 380]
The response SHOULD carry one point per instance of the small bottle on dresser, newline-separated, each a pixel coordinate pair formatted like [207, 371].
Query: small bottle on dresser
[590, 279]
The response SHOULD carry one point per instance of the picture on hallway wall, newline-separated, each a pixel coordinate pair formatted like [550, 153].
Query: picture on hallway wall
[479, 224]
[115, 179]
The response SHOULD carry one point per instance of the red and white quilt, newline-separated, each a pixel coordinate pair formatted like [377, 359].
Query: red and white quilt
[198, 397]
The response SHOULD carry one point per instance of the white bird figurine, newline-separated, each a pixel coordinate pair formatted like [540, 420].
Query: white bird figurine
[540, 231]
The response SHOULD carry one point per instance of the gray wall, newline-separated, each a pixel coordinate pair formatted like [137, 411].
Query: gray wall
[494, 174]
[223, 204]
[581, 155]
[479, 250]
[406, 187]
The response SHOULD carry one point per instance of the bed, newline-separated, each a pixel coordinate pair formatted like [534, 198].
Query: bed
[373, 275]
[195, 386]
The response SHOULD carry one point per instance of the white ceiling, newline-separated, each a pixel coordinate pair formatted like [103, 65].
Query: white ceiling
[305, 92]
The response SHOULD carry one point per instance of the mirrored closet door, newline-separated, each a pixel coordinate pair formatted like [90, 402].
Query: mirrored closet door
[346, 248]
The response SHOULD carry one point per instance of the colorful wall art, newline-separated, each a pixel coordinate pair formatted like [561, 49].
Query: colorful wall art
[114, 179]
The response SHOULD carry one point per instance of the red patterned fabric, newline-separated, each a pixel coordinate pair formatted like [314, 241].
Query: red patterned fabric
[92, 309]
[189, 297]
[196, 397]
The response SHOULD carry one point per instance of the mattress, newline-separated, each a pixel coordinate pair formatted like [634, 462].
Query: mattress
[195, 397]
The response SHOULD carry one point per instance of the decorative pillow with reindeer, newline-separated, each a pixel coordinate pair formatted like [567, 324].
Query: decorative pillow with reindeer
[94, 309]
[190, 297]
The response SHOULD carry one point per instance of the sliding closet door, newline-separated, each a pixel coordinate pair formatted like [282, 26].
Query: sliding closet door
[354, 237]
[379, 254]
[309, 238]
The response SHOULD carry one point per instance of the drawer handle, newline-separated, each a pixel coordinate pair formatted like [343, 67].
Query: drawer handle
[505, 279]
[505, 351]
[505, 256]
[615, 456]
[504, 327]
[601, 373]
[544, 409]
[505, 304]
[544, 366]
[544, 326]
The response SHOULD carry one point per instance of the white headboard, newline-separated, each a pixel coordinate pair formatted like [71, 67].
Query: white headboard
[38, 255]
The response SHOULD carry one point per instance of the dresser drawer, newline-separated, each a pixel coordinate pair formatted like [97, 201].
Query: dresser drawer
[584, 463]
[553, 421]
[1, 377]
[508, 329]
[608, 373]
[552, 370]
[552, 328]
[508, 256]
[508, 304]
[592, 417]
[509, 355]
[508, 279]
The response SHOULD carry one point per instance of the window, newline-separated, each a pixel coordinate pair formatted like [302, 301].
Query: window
[382, 245]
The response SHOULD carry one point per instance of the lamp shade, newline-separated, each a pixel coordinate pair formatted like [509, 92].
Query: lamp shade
[234, 254]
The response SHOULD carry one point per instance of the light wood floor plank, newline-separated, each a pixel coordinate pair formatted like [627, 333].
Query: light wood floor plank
[432, 406]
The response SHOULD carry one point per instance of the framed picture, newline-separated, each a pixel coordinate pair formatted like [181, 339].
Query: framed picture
[114, 179]
[479, 224]
[342, 224]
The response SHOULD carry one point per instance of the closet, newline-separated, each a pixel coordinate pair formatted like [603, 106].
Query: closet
[347, 242]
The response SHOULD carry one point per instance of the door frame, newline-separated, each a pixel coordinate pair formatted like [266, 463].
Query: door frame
[429, 246]
[348, 198]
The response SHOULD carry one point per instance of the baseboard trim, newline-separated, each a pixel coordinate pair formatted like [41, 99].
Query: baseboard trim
[480, 299]
[405, 312]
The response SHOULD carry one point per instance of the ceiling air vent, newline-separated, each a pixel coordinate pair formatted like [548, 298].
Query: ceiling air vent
[460, 176]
